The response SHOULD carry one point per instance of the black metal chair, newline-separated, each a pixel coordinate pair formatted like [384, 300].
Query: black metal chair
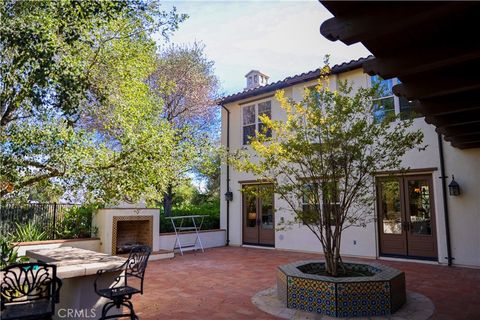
[120, 293]
[29, 291]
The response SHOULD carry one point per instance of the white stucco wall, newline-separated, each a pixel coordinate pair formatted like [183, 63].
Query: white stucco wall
[464, 209]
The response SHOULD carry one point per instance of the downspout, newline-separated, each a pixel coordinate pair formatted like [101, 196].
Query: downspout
[445, 200]
[228, 175]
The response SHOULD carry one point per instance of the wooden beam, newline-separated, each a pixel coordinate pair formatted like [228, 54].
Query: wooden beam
[376, 19]
[462, 101]
[467, 145]
[411, 62]
[469, 128]
[447, 120]
[464, 138]
[436, 85]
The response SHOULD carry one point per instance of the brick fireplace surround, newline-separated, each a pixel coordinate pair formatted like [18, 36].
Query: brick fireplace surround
[131, 230]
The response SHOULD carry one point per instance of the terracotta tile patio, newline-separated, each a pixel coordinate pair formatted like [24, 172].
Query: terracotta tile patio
[220, 283]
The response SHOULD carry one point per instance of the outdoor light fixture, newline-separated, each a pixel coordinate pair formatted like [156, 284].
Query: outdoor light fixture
[229, 196]
[454, 187]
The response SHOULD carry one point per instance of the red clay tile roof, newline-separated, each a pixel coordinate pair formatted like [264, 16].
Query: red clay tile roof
[289, 81]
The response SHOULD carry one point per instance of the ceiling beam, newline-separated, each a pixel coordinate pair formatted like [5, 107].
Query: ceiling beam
[467, 145]
[462, 101]
[459, 130]
[454, 118]
[376, 20]
[437, 85]
[419, 61]
[464, 139]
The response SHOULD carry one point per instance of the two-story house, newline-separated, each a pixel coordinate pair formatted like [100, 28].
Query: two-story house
[416, 216]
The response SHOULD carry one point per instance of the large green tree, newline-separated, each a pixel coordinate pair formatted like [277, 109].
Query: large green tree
[322, 160]
[75, 108]
[188, 104]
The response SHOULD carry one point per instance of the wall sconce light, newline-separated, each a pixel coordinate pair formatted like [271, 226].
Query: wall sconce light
[229, 196]
[454, 187]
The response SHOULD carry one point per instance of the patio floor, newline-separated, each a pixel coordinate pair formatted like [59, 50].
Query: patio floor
[220, 283]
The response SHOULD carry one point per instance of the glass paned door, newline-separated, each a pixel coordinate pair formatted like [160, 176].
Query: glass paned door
[420, 217]
[258, 215]
[390, 208]
[406, 216]
[250, 226]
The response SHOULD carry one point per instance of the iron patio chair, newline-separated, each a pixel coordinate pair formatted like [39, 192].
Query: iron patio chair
[121, 292]
[29, 291]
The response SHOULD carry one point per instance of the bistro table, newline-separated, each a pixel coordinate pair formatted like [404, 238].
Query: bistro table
[77, 268]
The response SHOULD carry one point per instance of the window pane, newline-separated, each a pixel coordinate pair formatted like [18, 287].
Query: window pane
[384, 86]
[248, 133]
[406, 109]
[265, 108]
[383, 109]
[248, 115]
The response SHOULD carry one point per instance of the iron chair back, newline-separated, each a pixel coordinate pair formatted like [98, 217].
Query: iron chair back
[29, 283]
[136, 264]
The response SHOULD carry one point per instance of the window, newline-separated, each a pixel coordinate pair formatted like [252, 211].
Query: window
[324, 193]
[252, 122]
[387, 105]
[384, 104]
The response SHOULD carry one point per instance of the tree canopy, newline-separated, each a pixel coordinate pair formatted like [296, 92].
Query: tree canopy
[75, 106]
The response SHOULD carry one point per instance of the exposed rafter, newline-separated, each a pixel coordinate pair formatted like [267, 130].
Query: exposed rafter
[429, 47]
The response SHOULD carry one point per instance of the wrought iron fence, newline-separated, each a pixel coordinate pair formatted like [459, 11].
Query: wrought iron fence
[45, 216]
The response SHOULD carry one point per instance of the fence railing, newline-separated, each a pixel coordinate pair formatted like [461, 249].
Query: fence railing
[44, 215]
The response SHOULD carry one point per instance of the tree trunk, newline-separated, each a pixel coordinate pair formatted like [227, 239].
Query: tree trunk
[167, 201]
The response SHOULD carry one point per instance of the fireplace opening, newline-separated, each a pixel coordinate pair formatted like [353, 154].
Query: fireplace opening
[130, 233]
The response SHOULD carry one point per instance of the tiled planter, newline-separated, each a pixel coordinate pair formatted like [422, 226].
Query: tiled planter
[380, 294]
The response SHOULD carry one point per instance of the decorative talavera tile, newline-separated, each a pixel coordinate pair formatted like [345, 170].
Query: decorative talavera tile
[380, 294]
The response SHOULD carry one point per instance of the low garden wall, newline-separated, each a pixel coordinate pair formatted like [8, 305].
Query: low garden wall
[209, 238]
[88, 244]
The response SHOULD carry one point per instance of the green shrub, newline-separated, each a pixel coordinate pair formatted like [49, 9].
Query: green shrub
[28, 232]
[76, 223]
[9, 253]
[211, 209]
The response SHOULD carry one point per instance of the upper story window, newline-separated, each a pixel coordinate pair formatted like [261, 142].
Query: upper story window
[387, 104]
[251, 120]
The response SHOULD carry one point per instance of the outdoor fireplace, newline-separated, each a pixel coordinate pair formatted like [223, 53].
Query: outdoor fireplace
[121, 228]
[129, 231]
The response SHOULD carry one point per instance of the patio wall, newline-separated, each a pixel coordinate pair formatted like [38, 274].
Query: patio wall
[88, 244]
[209, 238]
[464, 210]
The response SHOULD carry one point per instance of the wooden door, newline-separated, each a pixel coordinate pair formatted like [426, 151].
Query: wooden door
[420, 217]
[258, 215]
[393, 238]
[406, 217]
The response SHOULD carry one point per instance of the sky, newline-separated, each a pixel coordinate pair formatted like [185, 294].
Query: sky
[279, 38]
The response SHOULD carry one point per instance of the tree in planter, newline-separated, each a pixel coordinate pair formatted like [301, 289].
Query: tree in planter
[322, 159]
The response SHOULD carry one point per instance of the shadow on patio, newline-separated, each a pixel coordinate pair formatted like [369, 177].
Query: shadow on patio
[220, 283]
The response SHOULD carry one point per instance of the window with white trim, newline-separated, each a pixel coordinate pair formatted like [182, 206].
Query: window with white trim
[251, 120]
[387, 105]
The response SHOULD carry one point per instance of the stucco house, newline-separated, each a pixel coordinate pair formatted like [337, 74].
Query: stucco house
[416, 219]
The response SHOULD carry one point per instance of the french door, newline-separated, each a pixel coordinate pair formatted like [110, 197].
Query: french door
[406, 217]
[258, 215]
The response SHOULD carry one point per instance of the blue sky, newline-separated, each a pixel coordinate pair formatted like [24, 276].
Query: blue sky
[279, 38]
